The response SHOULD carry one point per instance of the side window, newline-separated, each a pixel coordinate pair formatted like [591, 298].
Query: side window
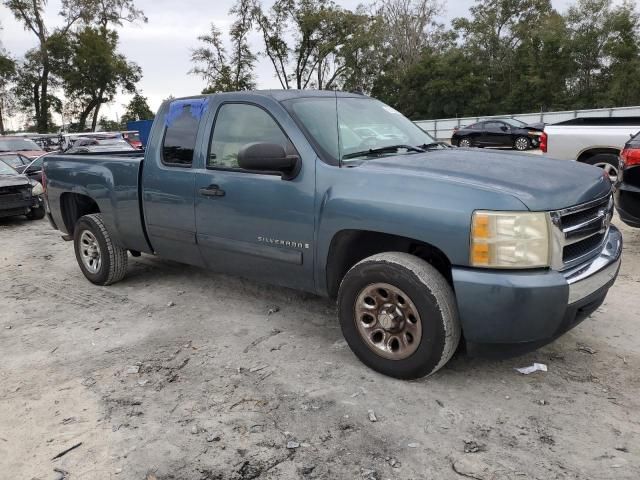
[182, 123]
[237, 125]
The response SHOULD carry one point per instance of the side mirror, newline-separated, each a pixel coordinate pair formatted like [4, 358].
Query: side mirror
[269, 157]
[504, 128]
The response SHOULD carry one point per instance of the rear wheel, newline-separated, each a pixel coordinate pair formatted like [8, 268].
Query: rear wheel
[399, 316]
[100, 260]
[609, 162]
[522, 144]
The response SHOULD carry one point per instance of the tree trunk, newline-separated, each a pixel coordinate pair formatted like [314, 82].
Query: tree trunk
[82, 120]
[95, 115]
[43, 118]
[36, 102]
[1, 120]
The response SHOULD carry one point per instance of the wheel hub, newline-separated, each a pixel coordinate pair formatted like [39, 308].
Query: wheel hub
[390, 317]
[90, 252]
[388, 321]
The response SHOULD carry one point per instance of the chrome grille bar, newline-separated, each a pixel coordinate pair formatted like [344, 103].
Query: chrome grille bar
[579, 232]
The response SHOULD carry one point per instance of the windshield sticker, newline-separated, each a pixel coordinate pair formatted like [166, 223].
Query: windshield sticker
[197, 107]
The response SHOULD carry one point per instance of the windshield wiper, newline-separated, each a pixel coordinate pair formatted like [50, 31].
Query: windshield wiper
[428, 146]
[381, 150]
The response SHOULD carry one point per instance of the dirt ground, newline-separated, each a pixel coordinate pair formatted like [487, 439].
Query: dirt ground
[178, 373]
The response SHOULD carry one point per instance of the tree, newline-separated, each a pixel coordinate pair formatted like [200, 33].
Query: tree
[30, 14]
[95, 71]
[221, 72]
[242, 59]
[137, 109]
[622, 51]
[604, 52]
[410, 27]
[7, 73]
[211, 63]
[42, 72]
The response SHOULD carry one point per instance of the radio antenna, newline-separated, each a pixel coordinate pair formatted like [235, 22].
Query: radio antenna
[335, 93]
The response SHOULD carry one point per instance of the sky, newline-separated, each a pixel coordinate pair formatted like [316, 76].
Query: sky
[162, 47]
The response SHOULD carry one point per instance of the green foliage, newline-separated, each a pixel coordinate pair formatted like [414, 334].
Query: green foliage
[137, 109]
[512, 56]
[47, 67]
[94, 71]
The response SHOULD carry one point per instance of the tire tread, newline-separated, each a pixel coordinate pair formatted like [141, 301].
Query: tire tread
[118, 256]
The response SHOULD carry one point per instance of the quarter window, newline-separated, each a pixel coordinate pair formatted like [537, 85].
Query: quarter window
[237, 125]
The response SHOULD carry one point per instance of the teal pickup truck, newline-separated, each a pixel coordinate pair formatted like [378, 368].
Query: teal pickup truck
[338, 194]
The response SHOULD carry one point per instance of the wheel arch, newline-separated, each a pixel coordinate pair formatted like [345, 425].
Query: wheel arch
[348, 247]
[73, 206]
[592, 151]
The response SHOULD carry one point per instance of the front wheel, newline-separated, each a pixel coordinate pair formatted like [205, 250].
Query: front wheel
[399, 316]
[464, 143]
[37, 213]
[100, 260]
[522, 144]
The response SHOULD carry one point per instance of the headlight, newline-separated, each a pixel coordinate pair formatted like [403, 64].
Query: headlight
[509, 240]
[37, 189]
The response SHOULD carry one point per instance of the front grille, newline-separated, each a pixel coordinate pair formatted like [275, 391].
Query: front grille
[582, 229]
[581, 248]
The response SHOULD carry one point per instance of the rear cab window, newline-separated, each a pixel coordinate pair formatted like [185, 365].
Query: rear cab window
[181, 130]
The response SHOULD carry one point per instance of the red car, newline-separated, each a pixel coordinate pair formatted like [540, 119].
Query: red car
[133, 137]
[21, 145]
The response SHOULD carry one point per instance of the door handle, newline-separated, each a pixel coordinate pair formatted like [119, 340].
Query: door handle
[212, 191]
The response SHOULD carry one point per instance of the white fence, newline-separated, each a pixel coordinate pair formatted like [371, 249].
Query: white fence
[442, 129]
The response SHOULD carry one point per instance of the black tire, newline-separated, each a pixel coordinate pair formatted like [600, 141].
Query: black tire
[36, 213]
[432, 297]
[113, 259]
[607, 161]
[522, 144]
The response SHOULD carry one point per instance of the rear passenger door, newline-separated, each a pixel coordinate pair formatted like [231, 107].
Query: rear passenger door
[258, 225]
[169, 179]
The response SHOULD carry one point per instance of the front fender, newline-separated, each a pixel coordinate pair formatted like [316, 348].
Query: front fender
[436, 213]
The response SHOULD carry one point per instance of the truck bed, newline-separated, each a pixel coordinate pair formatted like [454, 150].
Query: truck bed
[109, 183]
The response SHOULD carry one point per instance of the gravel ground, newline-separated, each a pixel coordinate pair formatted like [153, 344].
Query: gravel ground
[178, 373]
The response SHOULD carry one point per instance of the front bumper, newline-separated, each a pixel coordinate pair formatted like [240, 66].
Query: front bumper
[18, 206]
[509, 313]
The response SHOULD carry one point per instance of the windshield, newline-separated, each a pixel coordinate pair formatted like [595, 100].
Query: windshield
[6, 169]
[17, 145]
[513, 122]
[365, 125]
[13, 160]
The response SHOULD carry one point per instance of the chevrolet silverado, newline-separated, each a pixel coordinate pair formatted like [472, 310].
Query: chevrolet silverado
[421, 244]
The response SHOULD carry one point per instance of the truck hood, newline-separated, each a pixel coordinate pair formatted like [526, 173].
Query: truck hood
[540, 183]
[13, 180]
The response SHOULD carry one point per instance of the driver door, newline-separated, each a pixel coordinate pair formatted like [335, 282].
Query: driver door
[255, 224]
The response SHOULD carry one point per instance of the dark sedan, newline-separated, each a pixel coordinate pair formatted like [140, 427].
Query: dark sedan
[504, 132]
[628, 183]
